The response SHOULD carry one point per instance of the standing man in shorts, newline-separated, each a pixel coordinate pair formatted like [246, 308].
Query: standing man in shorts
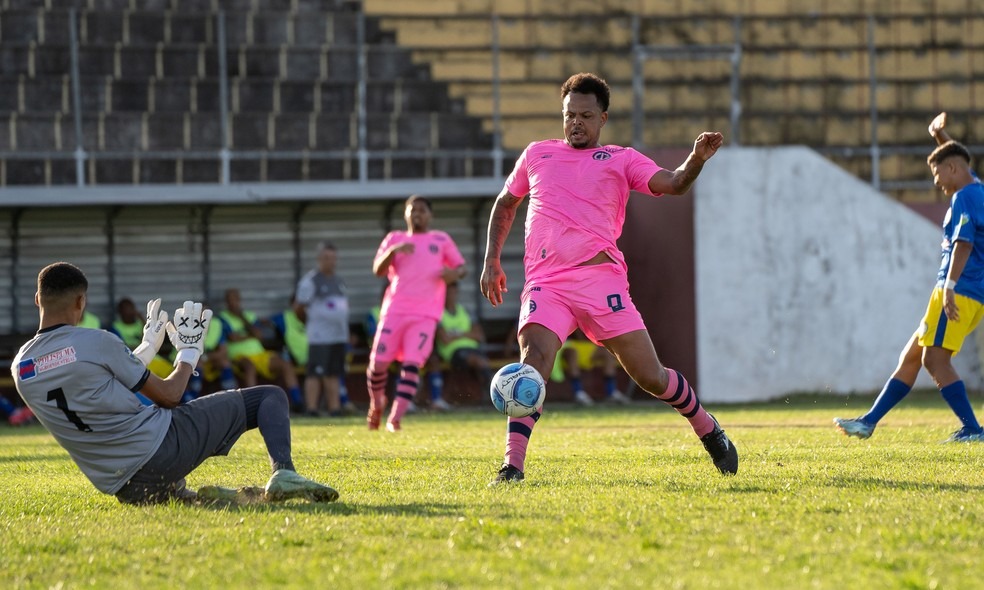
[419, 264]
[80, 385]
[956, 304]
[322, 293]
[575, 273]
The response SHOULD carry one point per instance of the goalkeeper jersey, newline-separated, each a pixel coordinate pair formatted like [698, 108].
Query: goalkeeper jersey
[80, 385]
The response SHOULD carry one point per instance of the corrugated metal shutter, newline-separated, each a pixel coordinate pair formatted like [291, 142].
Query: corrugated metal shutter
[160, 252]
[252, 249]
[157, 253]
[51, 235]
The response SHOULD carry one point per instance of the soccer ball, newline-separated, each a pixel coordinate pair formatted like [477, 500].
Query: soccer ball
[517, 390]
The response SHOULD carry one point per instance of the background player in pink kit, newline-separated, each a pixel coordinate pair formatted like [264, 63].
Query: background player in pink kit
[575, 273]
[419, 263]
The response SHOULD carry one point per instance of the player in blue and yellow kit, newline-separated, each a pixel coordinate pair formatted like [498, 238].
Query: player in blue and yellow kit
[956, 305]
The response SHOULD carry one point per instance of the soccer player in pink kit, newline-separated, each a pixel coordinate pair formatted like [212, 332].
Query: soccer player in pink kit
[419, 264]
[575, 273]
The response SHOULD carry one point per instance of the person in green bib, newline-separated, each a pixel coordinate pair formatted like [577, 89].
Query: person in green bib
[90, 320]
[247, 352]
[129, 326]
[459, 344]
[290, 327]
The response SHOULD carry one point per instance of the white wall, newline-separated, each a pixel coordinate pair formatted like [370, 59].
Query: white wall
[808, 280]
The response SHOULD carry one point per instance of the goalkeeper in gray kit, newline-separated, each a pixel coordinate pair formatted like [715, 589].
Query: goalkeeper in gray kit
[80, 384]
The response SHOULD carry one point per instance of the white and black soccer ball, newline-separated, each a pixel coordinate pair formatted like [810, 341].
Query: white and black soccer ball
[518, 390]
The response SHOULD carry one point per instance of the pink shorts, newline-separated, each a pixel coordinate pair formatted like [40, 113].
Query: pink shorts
[404, 338]
[594, 298]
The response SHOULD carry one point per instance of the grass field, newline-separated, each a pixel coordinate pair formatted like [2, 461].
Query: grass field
[614, 498]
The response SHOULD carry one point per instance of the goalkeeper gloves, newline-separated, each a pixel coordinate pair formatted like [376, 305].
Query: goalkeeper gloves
[153, 333]
[187, 332]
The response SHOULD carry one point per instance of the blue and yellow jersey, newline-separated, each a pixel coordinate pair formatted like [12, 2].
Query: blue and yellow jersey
[964, 222]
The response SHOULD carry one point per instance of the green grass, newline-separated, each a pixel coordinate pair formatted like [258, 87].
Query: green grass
[614, 498]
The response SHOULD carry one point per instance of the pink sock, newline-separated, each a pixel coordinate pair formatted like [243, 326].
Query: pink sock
[518, 437]
[406, 389]
[683, 399]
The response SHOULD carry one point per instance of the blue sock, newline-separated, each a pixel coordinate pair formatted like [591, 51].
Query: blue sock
[435, 381]
[6, 406]
[295, 396]
[609, 385]
[890, 396]
[576, 384]
[227, 380]
[955, 395]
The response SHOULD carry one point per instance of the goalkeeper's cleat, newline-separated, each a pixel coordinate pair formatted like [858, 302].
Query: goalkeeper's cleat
[441, 405]
[507, 474]
[21, 416]
[966, 435]
[854, 427]
[223, 495]
[286, 484]
[721, 449]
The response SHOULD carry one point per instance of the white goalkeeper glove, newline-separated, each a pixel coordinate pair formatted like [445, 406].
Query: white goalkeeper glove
[187, 332]
[153, 333]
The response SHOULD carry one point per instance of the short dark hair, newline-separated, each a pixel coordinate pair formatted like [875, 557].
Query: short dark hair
[326, 245]
[947, 150]
[585, 83]
[59, 281]
[414, 198]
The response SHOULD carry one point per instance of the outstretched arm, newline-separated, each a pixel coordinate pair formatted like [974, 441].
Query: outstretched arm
[679, 181]
[493, 282]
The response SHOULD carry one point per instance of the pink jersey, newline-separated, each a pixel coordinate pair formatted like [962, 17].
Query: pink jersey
[577, 201]
[416, 287]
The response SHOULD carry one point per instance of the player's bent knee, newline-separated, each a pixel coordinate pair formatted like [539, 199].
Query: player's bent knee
[654, 380]
[271, 397]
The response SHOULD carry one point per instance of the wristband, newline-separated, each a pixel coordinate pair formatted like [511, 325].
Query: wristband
[187, 355]
[949, 285]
